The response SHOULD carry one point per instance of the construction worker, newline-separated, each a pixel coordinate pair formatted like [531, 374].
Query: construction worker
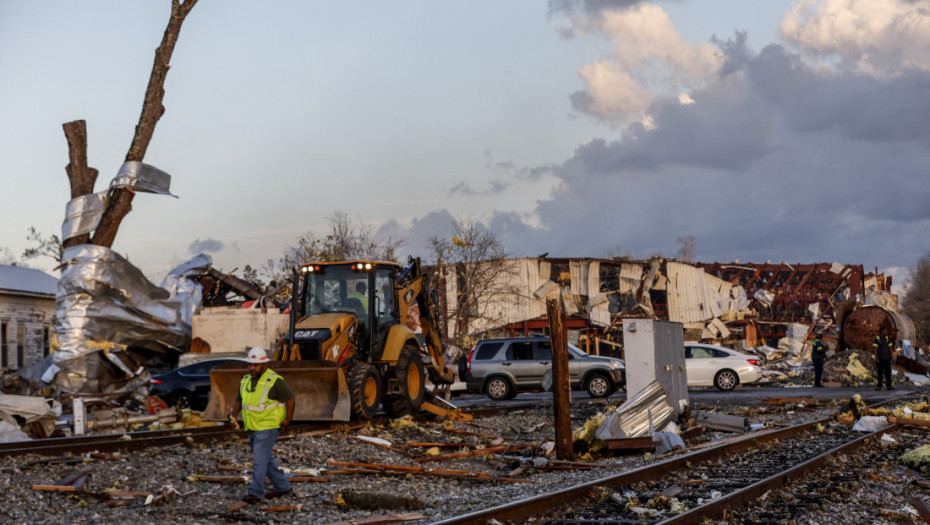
[818, 356]
[360, 293]
[267, 406]
[883, 347]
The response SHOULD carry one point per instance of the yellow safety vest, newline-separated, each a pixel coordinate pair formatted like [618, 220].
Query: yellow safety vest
[257, 412]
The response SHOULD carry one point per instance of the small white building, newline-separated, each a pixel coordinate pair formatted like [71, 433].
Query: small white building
[27, 315]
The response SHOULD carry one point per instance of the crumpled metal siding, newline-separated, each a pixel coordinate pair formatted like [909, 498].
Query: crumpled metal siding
[688, 296]
[633, 418]
[102, 296]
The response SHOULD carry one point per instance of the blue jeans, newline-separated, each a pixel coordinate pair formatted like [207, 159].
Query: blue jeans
[263, 464]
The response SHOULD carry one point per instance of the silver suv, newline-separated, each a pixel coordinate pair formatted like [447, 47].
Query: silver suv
[500, 368]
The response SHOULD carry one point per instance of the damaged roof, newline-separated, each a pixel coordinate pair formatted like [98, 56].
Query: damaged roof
[19, 280]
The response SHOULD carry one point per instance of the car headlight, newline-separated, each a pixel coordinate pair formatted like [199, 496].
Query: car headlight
[614, 364]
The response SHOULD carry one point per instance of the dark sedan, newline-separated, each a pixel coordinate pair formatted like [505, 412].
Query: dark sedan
[189, 386]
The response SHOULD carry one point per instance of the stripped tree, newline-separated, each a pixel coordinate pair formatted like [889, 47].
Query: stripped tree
[83, 177]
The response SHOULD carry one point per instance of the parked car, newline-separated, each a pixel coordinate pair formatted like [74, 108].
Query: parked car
[188, 386]
[499, 368]
[719, 366]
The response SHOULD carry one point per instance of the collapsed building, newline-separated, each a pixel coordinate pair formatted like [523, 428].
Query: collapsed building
[742, 305]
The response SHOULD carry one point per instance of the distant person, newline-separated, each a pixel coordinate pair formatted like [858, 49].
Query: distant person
[883, 347]
[818, 356]
[267, 405]
[360, 293]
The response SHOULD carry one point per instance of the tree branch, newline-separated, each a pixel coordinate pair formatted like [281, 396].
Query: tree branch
[119, 202]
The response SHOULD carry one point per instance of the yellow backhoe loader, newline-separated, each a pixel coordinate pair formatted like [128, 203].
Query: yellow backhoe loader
[350, 349]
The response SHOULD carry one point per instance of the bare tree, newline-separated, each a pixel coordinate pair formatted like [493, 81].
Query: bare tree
[7, 257]
[83, 177]
[476, 262]
[47, 246]
[686, 251]
[916, 303]
[345, 241]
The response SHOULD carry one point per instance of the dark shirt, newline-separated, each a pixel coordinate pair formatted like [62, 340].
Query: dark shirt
[883, 346]
[818, 349]
[279, 391]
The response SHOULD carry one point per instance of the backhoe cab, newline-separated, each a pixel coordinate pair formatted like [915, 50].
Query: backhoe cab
[349, 349]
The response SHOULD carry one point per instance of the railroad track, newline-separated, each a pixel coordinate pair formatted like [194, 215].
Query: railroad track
[703, 484]
[167, 438]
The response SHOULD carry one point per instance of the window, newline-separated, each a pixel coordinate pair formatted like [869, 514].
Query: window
[46, 342]
[520, 350]
[4, 348]
[487, 351]
[20, 345]
[697, 352]
[543, 351]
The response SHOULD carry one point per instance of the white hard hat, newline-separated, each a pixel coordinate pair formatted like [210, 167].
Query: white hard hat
[257, 356]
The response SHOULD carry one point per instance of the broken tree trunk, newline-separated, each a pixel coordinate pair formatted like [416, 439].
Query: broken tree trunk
[119, 200]
[81, 175]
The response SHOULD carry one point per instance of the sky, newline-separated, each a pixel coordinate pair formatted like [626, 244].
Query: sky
[795, 131]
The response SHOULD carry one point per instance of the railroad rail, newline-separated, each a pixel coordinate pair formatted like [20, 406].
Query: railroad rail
[166, 438]
[705, 482]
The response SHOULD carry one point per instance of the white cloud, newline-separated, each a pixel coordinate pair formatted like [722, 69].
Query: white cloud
[648, 58]
[877, 37]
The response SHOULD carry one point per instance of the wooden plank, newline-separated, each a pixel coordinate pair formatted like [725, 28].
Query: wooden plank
[58, 488]
[285, 508]
[640, 443]
[909, 421]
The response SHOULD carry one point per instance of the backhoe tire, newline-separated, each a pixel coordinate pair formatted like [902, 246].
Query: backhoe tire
[364, 391]
[409, 372]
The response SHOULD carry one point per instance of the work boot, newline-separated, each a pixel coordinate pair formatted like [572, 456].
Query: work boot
[879, 387]
[890, 388]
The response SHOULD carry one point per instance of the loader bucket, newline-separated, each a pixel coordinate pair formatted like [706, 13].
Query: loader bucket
[321, 390]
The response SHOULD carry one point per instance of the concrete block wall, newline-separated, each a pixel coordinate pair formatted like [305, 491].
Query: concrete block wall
[229, 329]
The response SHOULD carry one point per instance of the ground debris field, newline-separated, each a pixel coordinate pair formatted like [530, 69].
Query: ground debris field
[428, 479]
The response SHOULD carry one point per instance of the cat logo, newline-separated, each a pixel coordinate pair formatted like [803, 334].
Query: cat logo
[305, 334]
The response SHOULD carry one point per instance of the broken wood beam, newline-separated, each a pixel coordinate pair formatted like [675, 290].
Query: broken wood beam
[637, 443]
[377, 468]
[908, 421]
[472, 453]
[57, 488]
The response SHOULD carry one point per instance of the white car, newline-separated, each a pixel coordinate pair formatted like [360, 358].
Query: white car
[721, 367]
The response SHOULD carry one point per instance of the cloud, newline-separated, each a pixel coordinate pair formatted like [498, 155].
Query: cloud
[777, 158]
[206, 245]
[648, 57]
[877, 37]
